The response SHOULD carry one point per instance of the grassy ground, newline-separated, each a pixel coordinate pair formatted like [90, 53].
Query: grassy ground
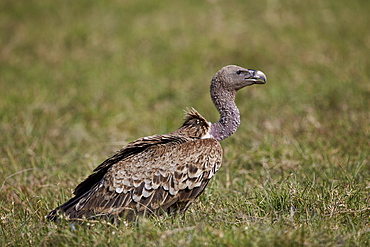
[79, 79]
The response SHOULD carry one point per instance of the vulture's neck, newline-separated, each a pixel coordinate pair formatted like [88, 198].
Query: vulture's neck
[229, 114]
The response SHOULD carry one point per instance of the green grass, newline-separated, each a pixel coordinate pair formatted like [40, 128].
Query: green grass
[79, 79]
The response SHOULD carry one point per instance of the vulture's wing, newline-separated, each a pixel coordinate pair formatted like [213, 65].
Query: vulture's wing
[151, 175]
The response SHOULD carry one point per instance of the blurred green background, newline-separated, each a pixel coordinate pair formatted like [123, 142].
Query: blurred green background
[79, 79]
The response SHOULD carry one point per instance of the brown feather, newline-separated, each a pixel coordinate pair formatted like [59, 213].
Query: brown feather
[148, 175]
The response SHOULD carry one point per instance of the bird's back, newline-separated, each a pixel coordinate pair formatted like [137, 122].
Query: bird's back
[155, 174]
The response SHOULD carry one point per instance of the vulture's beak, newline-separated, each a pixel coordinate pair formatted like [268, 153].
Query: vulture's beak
[258, 77]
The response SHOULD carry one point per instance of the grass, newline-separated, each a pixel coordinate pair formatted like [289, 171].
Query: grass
[79, 79]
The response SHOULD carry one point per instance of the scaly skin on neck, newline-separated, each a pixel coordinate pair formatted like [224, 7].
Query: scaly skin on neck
[229, 112]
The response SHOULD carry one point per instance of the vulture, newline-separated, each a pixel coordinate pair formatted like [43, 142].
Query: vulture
[162, 174]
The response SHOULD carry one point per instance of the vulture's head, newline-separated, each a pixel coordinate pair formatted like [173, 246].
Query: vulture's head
[232, 78]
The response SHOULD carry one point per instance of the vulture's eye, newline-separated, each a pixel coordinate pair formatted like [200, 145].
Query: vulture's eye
[238, 72]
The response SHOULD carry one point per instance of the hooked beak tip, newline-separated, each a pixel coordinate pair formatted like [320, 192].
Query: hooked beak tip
[260, 77]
